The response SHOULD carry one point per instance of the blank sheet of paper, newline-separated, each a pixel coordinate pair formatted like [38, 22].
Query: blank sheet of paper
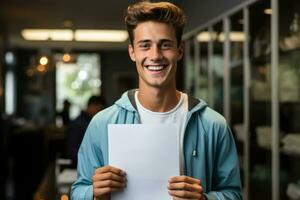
[149, 154]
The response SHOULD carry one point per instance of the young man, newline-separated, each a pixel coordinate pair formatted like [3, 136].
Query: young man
[208, 156]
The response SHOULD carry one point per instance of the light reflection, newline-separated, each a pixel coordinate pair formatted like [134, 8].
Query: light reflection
[206, 36]
[234, 36]
[9, 58]
[95, 83]
[75, 85]
[83, 75]
[268, 11]
[64, 197]
[29, 72]
[41, 68]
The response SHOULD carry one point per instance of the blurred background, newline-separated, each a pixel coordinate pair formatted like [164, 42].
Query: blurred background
[241, 56]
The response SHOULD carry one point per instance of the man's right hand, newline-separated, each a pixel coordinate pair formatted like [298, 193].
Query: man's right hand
[106, 180]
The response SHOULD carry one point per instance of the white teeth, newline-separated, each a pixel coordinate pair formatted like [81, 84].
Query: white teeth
[155, 68]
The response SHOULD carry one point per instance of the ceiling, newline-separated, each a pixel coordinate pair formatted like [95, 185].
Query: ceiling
[16, 15]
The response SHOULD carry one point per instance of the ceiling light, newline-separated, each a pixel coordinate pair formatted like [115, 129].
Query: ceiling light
[43, 60]
[48, 34]
[35, 34]
[268, 11]
[66, 57]
[80, 35]
[101, 35]
[61, 35]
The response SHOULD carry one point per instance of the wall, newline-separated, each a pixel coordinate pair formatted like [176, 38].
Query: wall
[200, 12]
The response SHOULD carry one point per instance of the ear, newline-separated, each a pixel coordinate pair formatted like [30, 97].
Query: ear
[131, 52]
[180, 51]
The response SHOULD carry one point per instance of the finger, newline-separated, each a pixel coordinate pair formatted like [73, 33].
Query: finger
[109, 168]
[185, 186]
[186, 179]
[102, 197]
[178, 198]
[109, 183]
[99, 192]
[184, 194]
[108, 176]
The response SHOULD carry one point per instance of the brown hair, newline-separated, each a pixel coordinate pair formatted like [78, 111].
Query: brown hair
[164, 12]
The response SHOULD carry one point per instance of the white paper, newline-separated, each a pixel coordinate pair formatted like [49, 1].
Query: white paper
[149, 154]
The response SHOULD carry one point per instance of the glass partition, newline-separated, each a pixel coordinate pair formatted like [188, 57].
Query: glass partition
[252, 109]
[289, 97]
[1, 74]
[260, 101]
[217, 64]
[201, 65]
[236, 68]
[237, 37]
[189, 66]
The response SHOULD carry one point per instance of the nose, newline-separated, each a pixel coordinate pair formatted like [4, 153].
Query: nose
[155, 53]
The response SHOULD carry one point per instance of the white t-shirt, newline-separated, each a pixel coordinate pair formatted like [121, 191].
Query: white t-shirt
[175, 116]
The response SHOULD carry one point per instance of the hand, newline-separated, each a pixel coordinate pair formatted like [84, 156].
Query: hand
[106, 180]
[185, 187]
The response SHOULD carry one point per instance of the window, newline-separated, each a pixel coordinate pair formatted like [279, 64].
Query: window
[77, 80]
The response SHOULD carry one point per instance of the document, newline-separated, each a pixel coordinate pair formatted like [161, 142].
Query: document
[149, 154]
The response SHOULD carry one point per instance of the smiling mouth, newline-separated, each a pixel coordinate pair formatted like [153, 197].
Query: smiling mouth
[155, 68]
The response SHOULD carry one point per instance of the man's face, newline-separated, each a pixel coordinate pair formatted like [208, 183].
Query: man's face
[156, 52]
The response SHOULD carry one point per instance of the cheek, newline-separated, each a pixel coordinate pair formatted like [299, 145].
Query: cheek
[141, 59]
[174, 58]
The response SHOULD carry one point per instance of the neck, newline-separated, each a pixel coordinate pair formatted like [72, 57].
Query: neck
[157, 99]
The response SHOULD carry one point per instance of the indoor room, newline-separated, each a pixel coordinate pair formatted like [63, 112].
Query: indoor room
[241, 57]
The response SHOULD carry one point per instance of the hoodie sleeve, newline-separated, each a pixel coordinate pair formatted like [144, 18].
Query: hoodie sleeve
[89, 158]
[226, 178]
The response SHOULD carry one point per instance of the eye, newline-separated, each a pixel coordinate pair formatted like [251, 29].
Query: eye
[144, 46]
[166, 45]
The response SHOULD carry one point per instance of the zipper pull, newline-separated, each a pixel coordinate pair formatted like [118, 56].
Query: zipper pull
[194, 153]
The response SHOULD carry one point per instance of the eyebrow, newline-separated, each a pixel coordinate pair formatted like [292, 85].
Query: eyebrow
[143, 41]
[159, 42]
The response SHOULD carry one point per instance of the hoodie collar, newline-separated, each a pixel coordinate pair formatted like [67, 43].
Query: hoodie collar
[127, 101]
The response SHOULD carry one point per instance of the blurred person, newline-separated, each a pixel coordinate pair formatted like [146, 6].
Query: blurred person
[209, 163]
[78, 126]
[64, 114]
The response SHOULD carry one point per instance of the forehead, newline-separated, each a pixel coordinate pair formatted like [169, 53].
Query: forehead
[152, 30]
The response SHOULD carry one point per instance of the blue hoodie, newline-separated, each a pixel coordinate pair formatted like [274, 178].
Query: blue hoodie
[209, 149]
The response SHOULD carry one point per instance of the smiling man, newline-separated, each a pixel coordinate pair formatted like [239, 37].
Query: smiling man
[208, 158]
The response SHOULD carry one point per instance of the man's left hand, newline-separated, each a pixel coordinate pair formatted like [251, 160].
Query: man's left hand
[185, 187]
